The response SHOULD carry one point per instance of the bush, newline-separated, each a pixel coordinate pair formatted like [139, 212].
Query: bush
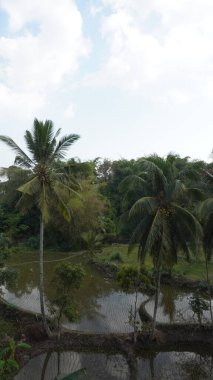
[116, 256]
[33, 242]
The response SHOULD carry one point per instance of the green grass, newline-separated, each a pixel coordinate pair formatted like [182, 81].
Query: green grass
[112, 250]
[193, 271]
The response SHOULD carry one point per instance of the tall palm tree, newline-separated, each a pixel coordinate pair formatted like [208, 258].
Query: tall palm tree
[46, 186]
[164, 225]
[206, 214]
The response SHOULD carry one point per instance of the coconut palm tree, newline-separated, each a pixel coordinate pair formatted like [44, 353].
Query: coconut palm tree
[206, 214]
[46, 186]
[164, 225]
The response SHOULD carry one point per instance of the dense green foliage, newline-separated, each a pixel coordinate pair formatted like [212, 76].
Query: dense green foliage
[108, 191]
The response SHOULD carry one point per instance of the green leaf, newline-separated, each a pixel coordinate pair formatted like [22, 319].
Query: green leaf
[12, 363]
[23, 345]
[72, 376]
[2, 364]
[3, 352]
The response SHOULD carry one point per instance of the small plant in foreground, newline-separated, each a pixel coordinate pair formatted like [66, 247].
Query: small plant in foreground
[133, 279]
[198, 306]
[8, 362]
[67, 278]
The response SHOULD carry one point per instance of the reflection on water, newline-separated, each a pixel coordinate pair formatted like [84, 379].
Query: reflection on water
[153, 366]
[103, 308]
[175, 365]
[97, 366]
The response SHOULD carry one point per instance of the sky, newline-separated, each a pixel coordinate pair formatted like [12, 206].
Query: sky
[131, 77]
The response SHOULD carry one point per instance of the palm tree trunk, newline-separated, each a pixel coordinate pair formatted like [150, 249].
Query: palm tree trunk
[135, 316]
[157, 292]
[41, 277]
[209, 287]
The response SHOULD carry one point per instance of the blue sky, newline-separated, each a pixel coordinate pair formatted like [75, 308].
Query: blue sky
[132, 77]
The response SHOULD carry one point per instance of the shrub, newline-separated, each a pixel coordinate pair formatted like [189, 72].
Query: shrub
[116, 257]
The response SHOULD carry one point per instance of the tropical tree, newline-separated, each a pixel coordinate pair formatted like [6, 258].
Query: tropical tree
[46, 186]
[68, 278]
[205, 212]
[164, 225]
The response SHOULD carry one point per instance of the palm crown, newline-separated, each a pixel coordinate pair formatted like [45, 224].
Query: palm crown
[164, 225]
[46, 184]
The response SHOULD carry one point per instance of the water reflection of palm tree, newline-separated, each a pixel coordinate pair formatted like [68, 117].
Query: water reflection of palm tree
[168, 297]
[93, 288]
[145, 367]
[44, 368]
[27, 280]
[74, 375]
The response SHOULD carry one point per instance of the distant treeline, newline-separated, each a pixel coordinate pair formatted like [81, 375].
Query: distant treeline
[102, 204]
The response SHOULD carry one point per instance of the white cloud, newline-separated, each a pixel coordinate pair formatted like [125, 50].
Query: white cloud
[43, 47]
[157, 46]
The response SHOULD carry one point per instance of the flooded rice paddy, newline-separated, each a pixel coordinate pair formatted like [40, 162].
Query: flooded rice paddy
[104, 308]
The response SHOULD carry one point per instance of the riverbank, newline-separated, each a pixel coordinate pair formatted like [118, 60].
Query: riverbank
[194, 339]
[167, 337]
[192, 271]
[184, 274]
[113, 256]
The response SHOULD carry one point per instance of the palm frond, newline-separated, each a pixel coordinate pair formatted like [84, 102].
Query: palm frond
[59, 186]
[179, 189]
[20, 153]
[20, 161]
[155, 233]
[187, 220]
[139, 232]
[206, 208]
[144, 206]
[140, 236]
[44, 203]
[30, 142]
[31, 187]
[63, 145]
[132, 181]
[208, 237]
[57, 133]
[188, 172]
[195, 194]
[155, 174]
[168, 247]
[64, 210]
[41, 142]
[25, 203]
[66, 178]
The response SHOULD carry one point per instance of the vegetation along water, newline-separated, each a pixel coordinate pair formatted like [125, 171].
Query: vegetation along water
[106, 266]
